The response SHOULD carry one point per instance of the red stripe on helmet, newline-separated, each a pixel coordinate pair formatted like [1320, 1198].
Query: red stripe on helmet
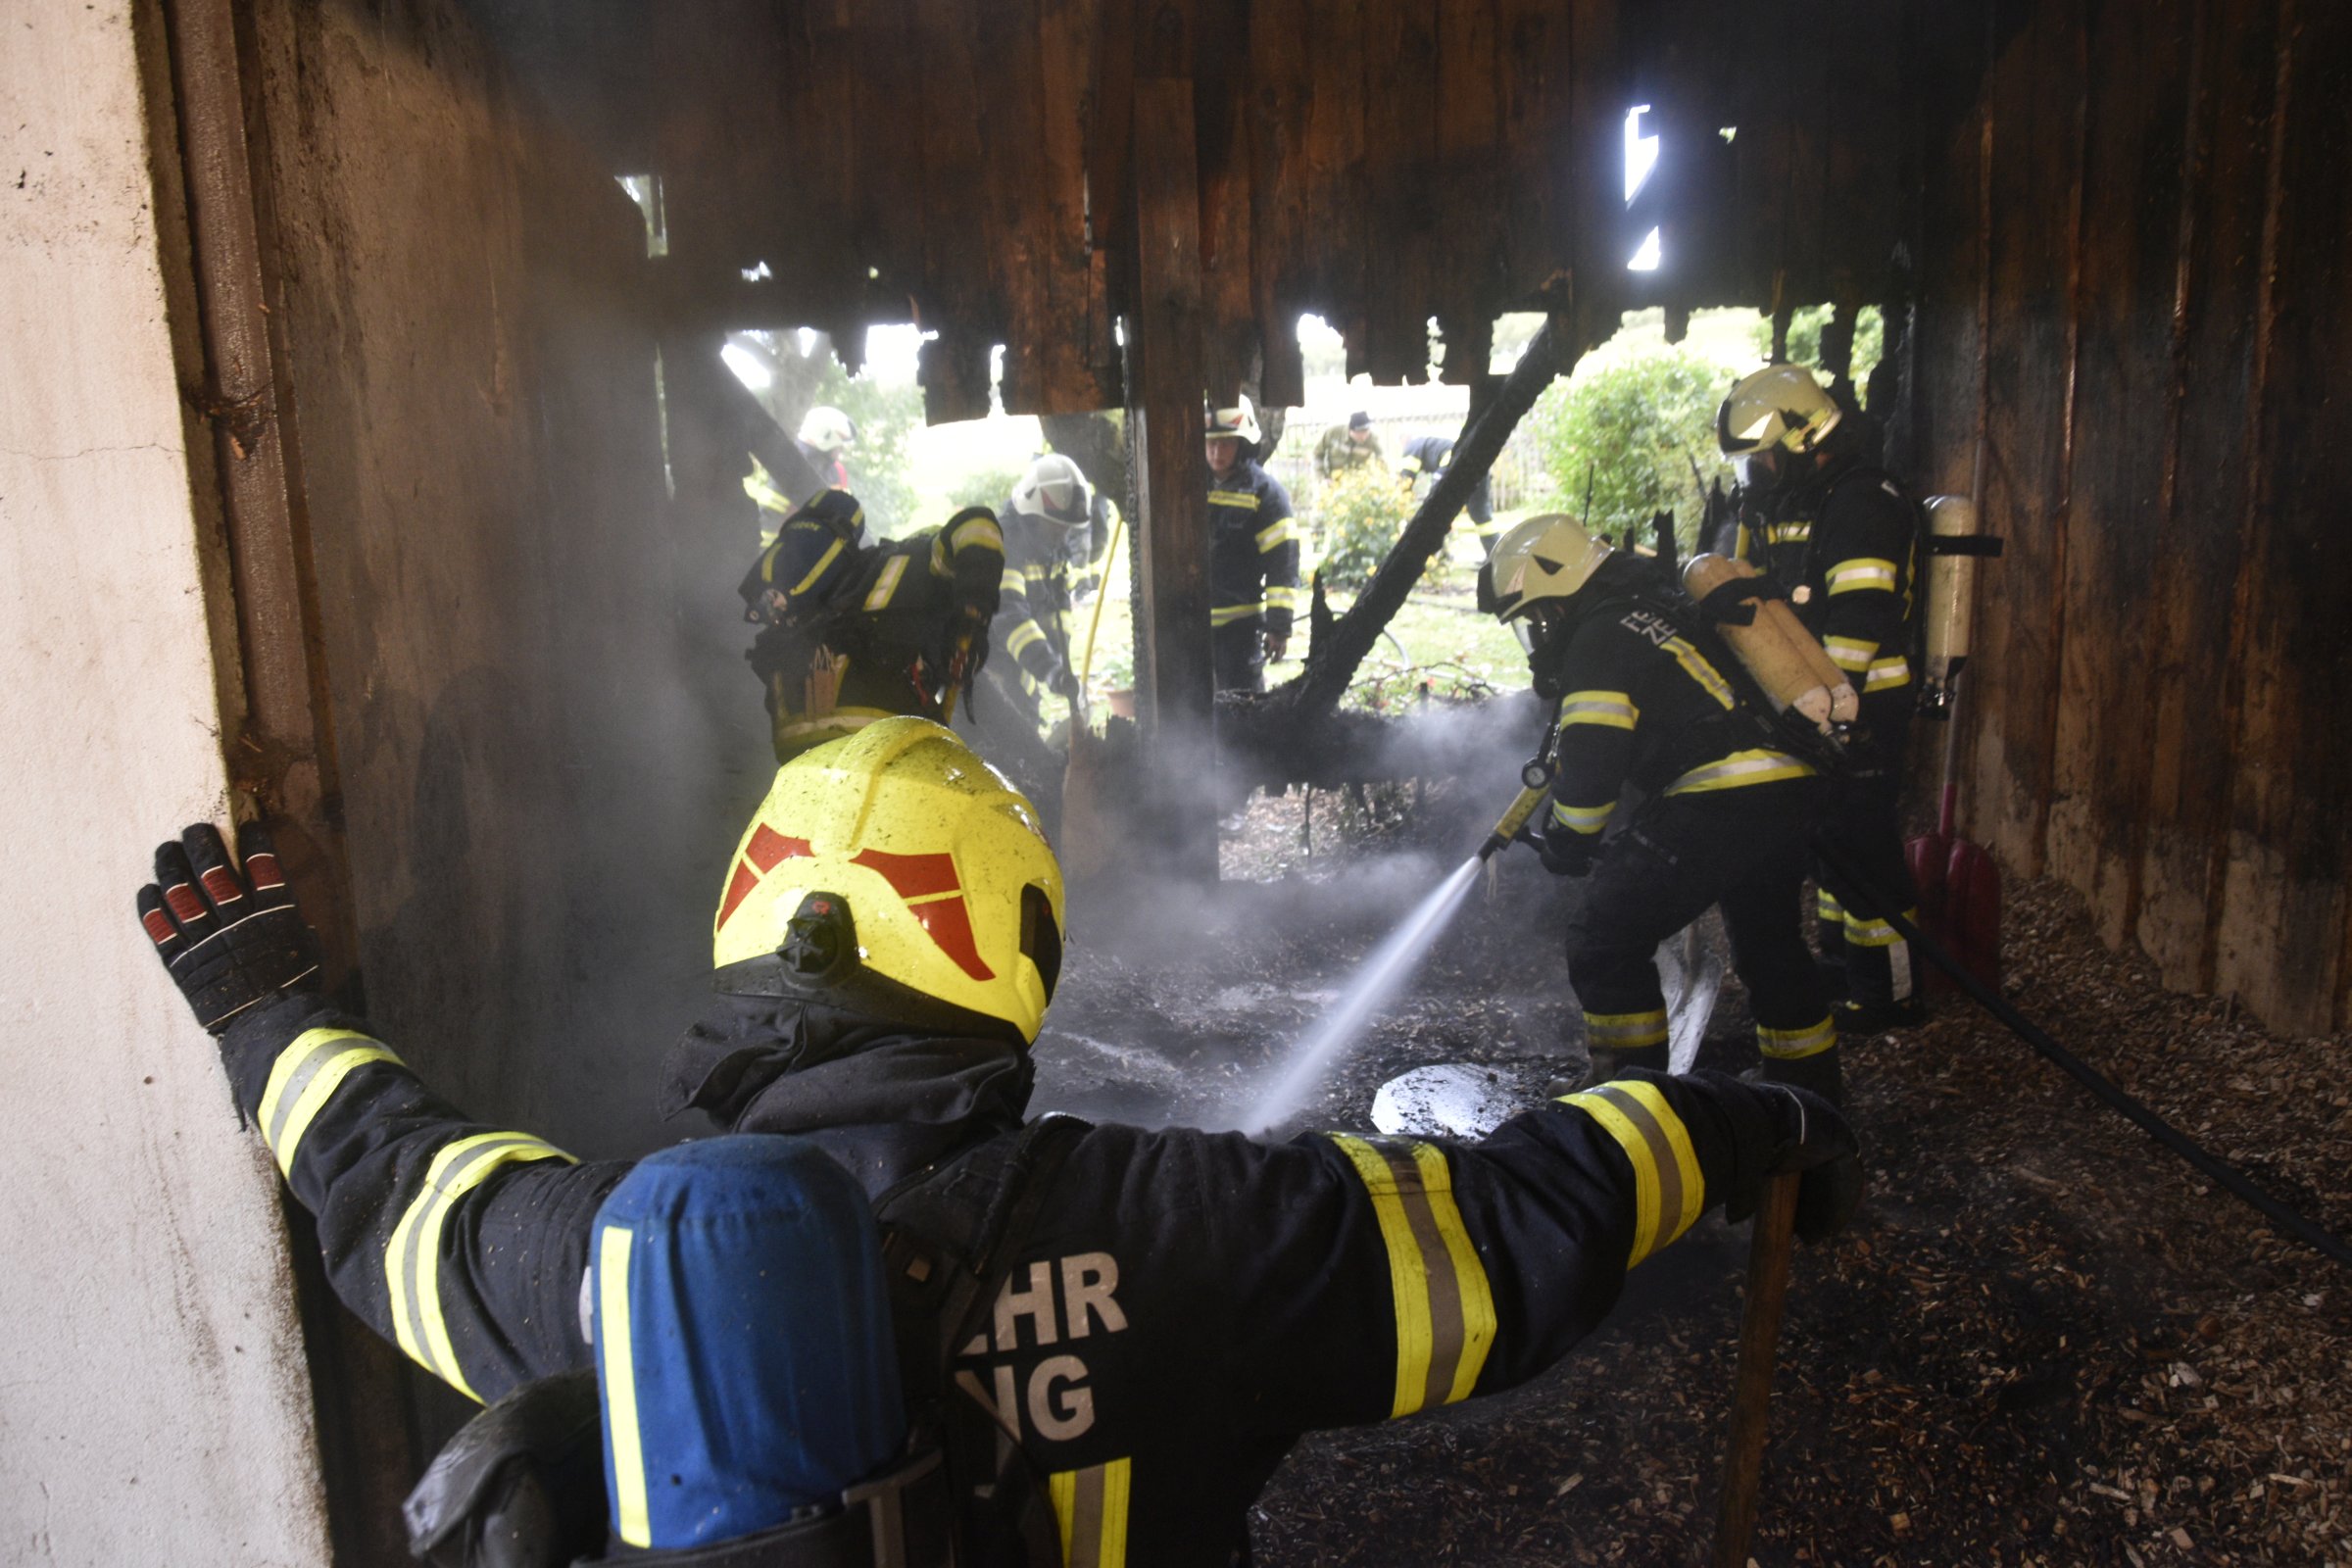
[767, 850]
[951, 926]
[912, 876]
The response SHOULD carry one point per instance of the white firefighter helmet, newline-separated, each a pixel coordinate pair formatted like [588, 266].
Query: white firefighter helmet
[1780, 406]
[1544, 558]
[825, 428]
[1238, 423]
[1056, 490]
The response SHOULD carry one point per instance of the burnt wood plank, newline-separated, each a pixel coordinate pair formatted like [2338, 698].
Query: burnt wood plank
[2192, 627]
[2281, 935]
[2034, 99]
[2126, 276]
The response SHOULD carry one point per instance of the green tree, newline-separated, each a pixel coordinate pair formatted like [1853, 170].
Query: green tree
[1634, 427]
[886, 415]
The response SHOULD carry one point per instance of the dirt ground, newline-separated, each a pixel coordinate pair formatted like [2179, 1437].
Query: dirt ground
[2045, 1341]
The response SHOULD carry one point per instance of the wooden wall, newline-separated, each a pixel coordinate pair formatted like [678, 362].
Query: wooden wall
[1380, 163]
[2136, 322]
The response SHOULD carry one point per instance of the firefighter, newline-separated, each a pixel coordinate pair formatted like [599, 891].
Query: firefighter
[1345, 448]
[852, 632]
[1048, 522]
[1840, 537]
[1723, 818]
[1165, 1312]
[826, 436]
[1253, 554]
[1429, 456]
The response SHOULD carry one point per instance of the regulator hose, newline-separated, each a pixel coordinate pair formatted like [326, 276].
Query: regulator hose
[2282, 1219]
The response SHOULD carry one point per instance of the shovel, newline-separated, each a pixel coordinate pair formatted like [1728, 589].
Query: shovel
[1959, 888]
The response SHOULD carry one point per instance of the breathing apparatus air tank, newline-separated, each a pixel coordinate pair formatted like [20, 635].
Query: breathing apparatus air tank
[1953, 546]
[1786, 663]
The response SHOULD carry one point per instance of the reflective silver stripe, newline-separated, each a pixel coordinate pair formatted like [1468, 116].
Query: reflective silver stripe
[1230, 614]
[1621, 1030]
[1740, 768]
[886, 584]
[1614, 710]
[1586, 819]
[1792, 1044]
[1886, 674]
[1851, 653]
[1855, 576]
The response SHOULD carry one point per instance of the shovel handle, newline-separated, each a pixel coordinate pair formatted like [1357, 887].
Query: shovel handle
[1751, 1389]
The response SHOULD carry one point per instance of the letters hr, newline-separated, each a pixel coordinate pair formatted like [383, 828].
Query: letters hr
[1060, 1404]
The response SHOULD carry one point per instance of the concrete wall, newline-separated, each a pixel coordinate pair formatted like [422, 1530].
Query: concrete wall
[153, 1403]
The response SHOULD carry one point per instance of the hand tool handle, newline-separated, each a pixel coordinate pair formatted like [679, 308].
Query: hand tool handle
[1751, 1389]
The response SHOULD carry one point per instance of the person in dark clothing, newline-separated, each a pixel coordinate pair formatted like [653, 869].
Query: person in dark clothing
[1177, 1306]
[851, 632]
[1428, 456]
[1840, 538]
[1722, 819]
[1252, 554]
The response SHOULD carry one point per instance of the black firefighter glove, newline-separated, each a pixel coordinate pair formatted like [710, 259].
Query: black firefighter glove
[230, 937]
[1777, 1129]
[1564, 853]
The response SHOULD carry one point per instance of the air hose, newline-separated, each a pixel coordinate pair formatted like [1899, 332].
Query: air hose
[2223, 1174]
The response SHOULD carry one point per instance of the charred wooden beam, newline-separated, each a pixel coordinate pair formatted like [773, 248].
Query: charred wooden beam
[1331, 663]
[699, 385]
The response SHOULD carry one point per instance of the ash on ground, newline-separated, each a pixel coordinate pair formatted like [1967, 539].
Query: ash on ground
[2044, 1341]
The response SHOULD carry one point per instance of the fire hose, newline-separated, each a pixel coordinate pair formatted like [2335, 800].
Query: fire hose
[2286, 1221]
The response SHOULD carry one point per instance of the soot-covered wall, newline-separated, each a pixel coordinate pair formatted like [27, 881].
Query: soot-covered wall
[538, 789]
[2137, 328]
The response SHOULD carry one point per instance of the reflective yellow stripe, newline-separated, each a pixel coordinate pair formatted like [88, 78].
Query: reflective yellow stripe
[1614, 710]
[1855, 576]
[1586, 819]
[1790, 1045]
[1626, 1031]
[1694, 664]
[617, 1355]
[1826, 902]
[1012, 582]
[1275, 534]
[1444, 1307]
[1027, 634]
[1233, 498]
[768, 498]
[832, 554]
[977, 531]
[1739, 770]
[1669, 1193]
[1888, 674]
[1090, 1506]
[886, 584]
[304, 1078]
[1867, 933]
[1284, 598]
[1230, 614]
[412, 1258]
[1851, 653]
[1789, 533]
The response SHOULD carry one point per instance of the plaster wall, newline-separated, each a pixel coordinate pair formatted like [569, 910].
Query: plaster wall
[153, 1402]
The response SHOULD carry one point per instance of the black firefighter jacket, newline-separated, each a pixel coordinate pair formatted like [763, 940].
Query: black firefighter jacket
[1185, 1307]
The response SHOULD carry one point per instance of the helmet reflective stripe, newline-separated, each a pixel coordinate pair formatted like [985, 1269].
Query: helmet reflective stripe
[939, 862]
[1543, 557]
[1779, 406]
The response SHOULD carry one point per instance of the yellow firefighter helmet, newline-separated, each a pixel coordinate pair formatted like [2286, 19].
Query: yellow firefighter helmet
[1544, 558]
[1779, 406]
[894, 873]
